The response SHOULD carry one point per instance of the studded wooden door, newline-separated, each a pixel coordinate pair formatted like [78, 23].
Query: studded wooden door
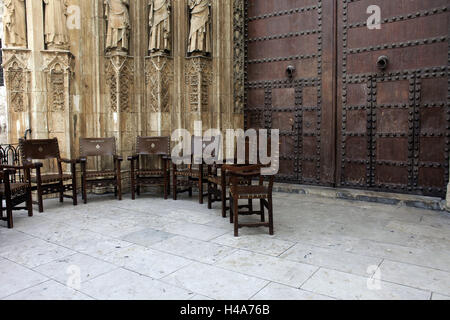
[393, 107]
[289, 83]
[357, 106]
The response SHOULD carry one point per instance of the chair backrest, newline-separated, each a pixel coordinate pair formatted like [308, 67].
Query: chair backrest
[97, 147]
[153, 146]
[38, 149]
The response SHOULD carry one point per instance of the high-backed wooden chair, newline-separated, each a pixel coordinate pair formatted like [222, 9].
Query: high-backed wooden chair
[250, 192]
[48, 183]
[141, 175]
[15, 193]
[100, 147]
[194, 174]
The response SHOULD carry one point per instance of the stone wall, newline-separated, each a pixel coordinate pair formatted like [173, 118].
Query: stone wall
[88, 91]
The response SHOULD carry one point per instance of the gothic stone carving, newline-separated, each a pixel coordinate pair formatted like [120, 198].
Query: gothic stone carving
[120, 82]
[160, 29]
[55, 28]
[58, 69]
[118, 25]
[199, 77]
[200, 26]
[15, 33]
[239, 55]
[17, 79]
[159, 81]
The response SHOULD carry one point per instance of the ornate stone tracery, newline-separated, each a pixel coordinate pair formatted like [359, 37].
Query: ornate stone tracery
[159, 82]
[120, 81]
[58, 69]
[17, 79]
[199, 78]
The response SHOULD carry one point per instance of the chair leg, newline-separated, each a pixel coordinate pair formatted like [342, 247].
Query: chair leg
[166, 189]
[133, 189]
[231, 209]
[119, 184]
[40, 201]
[9, 212]
[236, 214]
[174, 186]
[263, 218]
[250, 205]
[74, 192]
[115, 191]
[270, 216]
[223, 196]
[138, 190]
[29, 203]
[210, 190]
[84, 190]
[61, 191]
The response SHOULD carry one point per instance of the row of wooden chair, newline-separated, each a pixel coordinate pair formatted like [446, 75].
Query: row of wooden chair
[143, 173]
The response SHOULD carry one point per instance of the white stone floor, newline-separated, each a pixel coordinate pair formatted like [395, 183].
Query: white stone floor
[156, 249]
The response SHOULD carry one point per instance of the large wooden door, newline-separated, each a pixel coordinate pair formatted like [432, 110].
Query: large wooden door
[394, 123]
[344, 119]
[289, 83]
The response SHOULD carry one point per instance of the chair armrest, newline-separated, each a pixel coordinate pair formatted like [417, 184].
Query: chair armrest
[24, 167]
[82, 160]
[167, 158]
[9, 171]
[118, 158]
[69, 160]
[133, 157]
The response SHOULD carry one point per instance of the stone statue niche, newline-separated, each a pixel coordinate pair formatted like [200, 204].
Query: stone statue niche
[118, 25]
[14, 20]
[200, 27]
[160, 29]
[55, 27]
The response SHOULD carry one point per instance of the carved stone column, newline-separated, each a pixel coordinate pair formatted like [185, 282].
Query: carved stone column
[199, 80]
[58, 71]
[17, 73]
[159, 91]
[119, 116]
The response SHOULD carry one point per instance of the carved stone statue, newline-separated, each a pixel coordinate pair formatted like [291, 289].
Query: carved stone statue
[55, 28]
[117, 15]
[159, 22]
[199, 35]
[15, 33]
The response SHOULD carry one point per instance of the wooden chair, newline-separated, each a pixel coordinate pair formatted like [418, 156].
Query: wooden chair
[219, 182]
[100, 147]
[15, 193]
[140, 177]
[194, 174]
[48, 183]
[250, 192]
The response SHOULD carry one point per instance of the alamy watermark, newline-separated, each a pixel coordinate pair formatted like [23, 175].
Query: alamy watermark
[263, 148]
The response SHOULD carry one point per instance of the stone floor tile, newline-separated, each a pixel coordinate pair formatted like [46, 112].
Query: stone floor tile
[276, 291]
[34, 253]
[264, 244]
[330, 258]
[122, 284]
[201, 251]
[147, 237]
[215, 282]
[347, 286]
[49, 290]
[194, 230]
[279, 270]
[415, 276]
[14, 278]
[63, 270]
[147, 261]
